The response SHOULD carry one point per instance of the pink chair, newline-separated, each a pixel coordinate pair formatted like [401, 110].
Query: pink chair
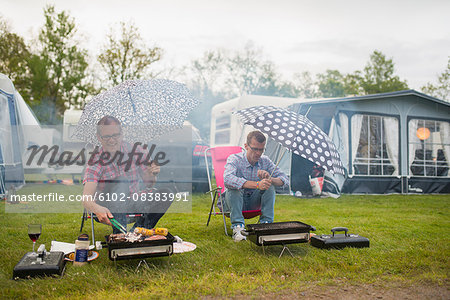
[219, 156]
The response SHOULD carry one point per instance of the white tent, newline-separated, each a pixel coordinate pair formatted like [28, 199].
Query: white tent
[15, 118]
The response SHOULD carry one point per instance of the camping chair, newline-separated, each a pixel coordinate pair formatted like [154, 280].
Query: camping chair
[219, 157]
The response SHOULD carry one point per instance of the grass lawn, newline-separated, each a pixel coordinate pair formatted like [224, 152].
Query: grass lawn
[409, 235]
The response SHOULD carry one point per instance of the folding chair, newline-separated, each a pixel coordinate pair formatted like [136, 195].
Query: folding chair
[219, 157]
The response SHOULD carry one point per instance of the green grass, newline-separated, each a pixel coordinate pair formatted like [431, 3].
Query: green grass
[409, 237]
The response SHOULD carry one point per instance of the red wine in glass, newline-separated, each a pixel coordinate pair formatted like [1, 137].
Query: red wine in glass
[34, 231]
[34, 236]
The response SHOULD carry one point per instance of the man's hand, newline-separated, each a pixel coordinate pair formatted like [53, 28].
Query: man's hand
[103, 214]
[149, 176]
[262, 174]
[265, 184]
[153, 169]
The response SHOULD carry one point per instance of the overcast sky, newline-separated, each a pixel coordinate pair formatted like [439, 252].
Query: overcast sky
[296, 35]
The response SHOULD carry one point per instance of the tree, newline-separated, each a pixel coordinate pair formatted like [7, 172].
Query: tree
[331, 84]
[127, 56]
[205, 80]
[442, 88]
[305, 87]
[352, 84]
[59, 70]
[207, 71]
[14, 54]
[248, 73]
[378, 76]
[220, 74]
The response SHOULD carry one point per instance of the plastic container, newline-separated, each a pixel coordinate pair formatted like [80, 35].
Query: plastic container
[81, 250]
[316, 185]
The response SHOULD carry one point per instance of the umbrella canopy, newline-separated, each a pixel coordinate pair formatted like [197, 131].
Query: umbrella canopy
[296, 133]
[159, 103]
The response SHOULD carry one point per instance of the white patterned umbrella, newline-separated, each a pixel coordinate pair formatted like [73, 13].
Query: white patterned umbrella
[296, 133]
[147, 109]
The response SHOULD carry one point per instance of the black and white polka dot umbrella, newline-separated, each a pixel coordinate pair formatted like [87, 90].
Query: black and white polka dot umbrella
[147, 109]
[296, 133]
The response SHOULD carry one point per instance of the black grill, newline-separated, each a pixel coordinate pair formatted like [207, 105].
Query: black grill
[139, 249]
[279, 233]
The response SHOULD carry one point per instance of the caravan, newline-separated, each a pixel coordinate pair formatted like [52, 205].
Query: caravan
[226, 129]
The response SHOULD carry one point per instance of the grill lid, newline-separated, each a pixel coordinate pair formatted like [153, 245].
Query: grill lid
[279, 228]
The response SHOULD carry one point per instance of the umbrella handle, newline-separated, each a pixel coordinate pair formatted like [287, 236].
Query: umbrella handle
[278, 162]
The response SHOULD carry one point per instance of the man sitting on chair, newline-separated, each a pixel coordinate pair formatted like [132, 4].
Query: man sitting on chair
[108, 176]
[249, 184]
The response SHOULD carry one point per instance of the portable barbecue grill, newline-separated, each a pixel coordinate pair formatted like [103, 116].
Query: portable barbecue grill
[121, 250]
[280, 233]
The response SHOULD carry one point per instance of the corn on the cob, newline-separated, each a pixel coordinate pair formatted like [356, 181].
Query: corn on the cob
[150, 232]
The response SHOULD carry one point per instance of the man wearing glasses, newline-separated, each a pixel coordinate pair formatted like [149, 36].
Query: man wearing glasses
[106, 174]
[249, 179]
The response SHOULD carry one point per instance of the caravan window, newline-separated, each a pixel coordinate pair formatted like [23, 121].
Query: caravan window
[429, 147]
[222, 137]
[223, 122]
[375, 145]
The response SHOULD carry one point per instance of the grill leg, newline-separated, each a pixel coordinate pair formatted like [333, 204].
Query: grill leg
[285, 248]
[143, 262]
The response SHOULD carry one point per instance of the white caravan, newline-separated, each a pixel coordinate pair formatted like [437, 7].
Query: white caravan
[227, 129]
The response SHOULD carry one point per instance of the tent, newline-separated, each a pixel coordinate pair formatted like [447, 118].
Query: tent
[14, 115]
[396, 142]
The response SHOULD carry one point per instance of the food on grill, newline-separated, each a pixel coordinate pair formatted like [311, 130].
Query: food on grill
[140, 234]
[130, 237]
[133, 237]
[155, 237]
[150, 232]
[118, 237]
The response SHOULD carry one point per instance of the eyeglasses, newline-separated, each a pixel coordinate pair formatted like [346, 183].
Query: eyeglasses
[257, 149]
[108, 137]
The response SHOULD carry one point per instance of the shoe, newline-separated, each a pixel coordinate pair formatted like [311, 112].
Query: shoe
[237, 234]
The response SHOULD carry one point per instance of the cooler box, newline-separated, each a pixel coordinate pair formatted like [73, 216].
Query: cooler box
[339, 241]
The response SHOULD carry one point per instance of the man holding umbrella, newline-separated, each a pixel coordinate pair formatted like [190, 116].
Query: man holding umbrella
[250, 179]
[105, 174]
[148, 110]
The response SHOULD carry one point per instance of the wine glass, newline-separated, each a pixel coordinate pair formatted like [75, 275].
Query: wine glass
[34, 231]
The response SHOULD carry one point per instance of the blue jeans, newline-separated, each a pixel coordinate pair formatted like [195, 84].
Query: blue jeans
[249, 199]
